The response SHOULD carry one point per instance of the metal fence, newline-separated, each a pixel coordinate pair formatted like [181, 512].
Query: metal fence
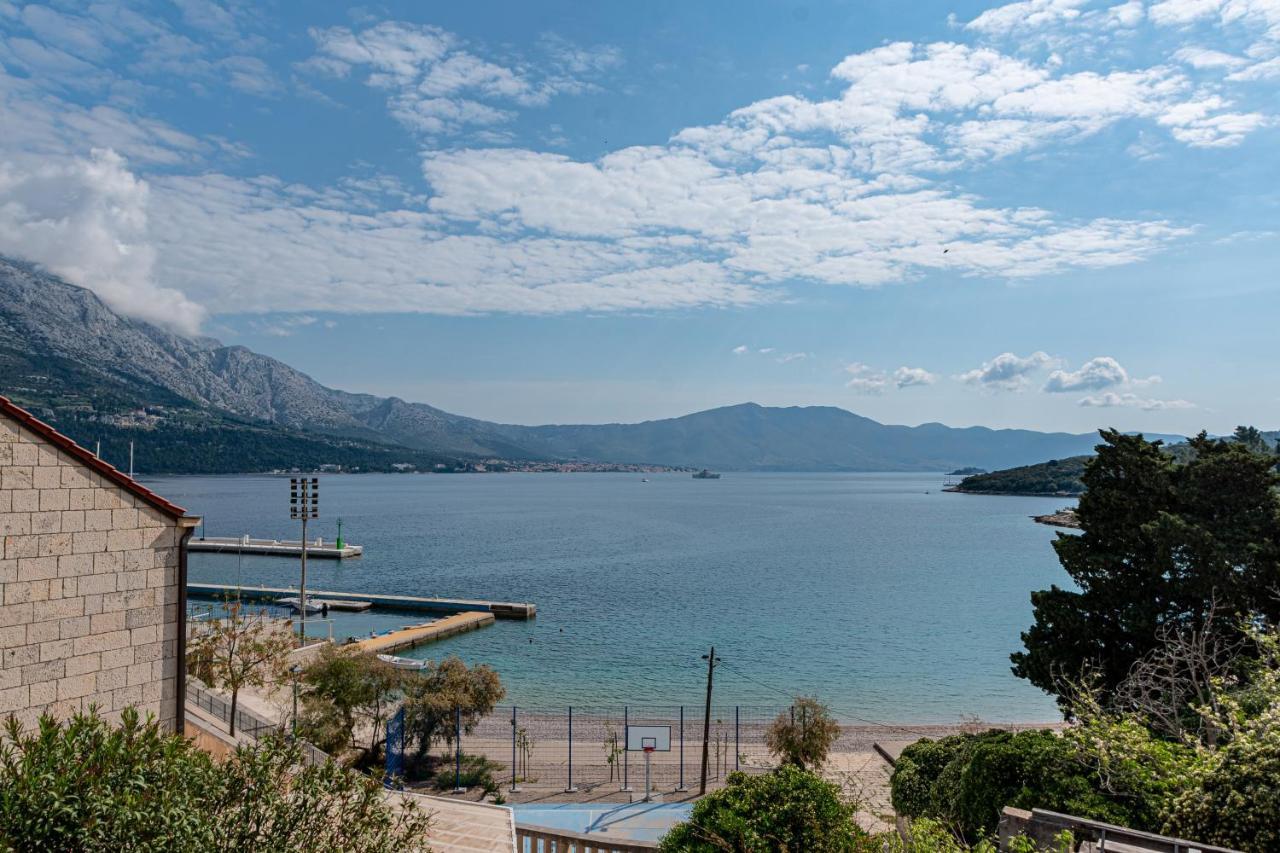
[584, 749]
[247, 722]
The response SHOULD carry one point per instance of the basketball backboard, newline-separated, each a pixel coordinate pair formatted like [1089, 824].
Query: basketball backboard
[648, 738]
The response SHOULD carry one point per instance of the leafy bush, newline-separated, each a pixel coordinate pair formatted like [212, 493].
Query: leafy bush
[965, 780]
[1234, 802]
[89, 786]
[788, 809]
[803, 734]
[477, 771]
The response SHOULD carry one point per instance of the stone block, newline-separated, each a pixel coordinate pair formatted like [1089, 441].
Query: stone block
[76, 686]
[88, 542]
[14, 635]
[97, 584]
[15, 523]
[25, 500]
[50, 670]
[43, 693]
[103, 623]
[14, 614]
[47, 522]
[21, 656]
[54, 544]
[37, 568]
[14, 699]
[9, 569]
[41, 632]
[81, 499]
[73, 521]
[26, 454]
[101, 642]
[107, 563]
[56, 650]
[120, 540]
[124, 519]
[110, 498]
[117, 658]
[97, 519]
[16, 547]
[113, 679]
[84, 663]
[75, 565]
[15, 476]
[75, 477]
[59, 608]
[46, 477]
[51, 499]
[70, 629]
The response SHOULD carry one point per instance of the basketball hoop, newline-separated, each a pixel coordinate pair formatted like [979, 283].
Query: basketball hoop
[648, 739]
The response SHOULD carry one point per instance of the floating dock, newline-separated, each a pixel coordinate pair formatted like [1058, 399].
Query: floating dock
[274, 547]
[402, 603]
[416, 635]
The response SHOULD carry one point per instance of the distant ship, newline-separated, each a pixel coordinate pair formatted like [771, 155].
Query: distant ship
[704, 474]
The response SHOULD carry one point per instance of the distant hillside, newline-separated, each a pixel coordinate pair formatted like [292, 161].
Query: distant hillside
[1061, 477]
[1055, 478]
[198, 405]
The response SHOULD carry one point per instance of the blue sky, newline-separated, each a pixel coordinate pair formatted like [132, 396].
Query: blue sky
[1057, 214]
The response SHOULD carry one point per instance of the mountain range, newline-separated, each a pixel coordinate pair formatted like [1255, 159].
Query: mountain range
[200, 405]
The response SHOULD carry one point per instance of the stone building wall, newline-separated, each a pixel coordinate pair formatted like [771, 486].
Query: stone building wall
[89, 604]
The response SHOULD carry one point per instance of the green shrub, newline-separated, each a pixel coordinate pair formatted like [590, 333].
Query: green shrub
[788, 809]
[477, 771]
[965, 780]
[1235, 801]
[86, 785]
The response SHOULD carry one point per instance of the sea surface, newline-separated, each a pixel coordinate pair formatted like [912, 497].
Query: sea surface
[883, 595]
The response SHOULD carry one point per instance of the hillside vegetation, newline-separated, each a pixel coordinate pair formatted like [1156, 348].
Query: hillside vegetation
[1055, 478]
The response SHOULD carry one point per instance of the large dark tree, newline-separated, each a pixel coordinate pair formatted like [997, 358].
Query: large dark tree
[1160, 543]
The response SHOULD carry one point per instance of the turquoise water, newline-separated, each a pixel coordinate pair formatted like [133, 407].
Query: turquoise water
[878, 592]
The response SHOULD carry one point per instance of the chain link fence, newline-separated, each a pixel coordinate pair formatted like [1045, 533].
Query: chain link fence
[585, 749]
[247, 722]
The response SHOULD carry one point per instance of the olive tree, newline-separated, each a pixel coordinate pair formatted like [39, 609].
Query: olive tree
[804, 734]
[239, 650]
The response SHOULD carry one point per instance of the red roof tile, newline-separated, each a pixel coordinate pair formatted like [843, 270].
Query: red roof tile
[86, 457]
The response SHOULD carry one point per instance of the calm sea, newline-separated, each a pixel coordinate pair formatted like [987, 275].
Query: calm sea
[888, 598]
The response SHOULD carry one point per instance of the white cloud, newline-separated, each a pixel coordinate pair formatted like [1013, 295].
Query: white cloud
[866, 379]
[1095, 374]
[1007, 372]
[1025, 15]
[905, 377]
[86, 220]
[740, 350]
[1113, 399]
[788, 357]
[1203, 57]
[436, 86]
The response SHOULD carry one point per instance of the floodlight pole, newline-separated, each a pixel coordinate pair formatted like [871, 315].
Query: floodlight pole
[302, 590]
[711, 660]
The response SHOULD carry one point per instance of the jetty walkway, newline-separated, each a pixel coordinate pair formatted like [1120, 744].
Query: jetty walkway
[399, 603]
[416, 635]
[274, 547]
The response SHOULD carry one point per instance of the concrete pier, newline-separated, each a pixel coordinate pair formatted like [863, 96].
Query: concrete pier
[429, 632]
[403, 603]
[274, 547]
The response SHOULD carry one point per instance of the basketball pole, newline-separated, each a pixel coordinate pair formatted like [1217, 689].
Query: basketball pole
[711, 660]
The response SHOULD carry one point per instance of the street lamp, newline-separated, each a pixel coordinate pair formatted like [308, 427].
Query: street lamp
[304, 504]
[297, 672]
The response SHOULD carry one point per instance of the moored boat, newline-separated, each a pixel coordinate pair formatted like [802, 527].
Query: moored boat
[403, 663]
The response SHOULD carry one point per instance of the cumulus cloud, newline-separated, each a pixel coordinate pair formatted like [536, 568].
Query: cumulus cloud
[1007, 372]
[1095, 374]
[865, 379]
[1128, 399]
[905, 377]
[86, 220]
[740, 350]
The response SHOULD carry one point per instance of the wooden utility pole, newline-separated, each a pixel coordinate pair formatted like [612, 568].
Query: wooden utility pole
[711, 660]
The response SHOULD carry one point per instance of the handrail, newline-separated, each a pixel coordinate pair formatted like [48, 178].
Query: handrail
[567, 841]
[1042, 823]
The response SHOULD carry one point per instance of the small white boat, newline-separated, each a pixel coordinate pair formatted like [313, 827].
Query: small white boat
[292, 601]
[403, 663]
